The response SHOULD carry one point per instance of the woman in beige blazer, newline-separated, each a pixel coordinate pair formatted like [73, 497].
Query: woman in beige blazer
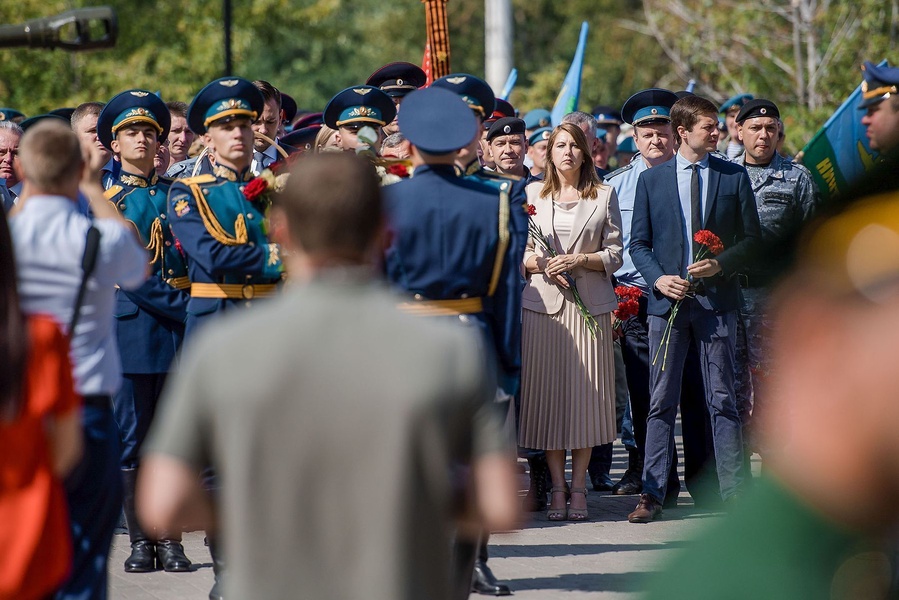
[568, 387]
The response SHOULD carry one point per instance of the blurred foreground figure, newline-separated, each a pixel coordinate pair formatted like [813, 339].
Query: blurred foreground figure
[347, 376]
[819, 520]
[53, 244]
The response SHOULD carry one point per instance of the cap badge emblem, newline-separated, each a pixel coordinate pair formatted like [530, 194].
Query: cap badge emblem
[655, 111]
[361, 91]
[362, 111]
[507, 129]
[763, 111]
[140, 94]
[228, 82]
[399, 82]
[456, 80]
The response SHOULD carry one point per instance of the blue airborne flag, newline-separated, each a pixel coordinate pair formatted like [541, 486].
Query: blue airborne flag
[839, 153]
[570, 93]
[510, 83]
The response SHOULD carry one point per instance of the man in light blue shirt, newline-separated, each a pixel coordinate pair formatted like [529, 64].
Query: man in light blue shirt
[49, 235]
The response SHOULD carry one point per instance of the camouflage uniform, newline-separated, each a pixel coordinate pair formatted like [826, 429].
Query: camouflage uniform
[785, 195]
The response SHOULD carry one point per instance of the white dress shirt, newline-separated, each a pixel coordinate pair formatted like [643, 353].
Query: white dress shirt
[49, 236]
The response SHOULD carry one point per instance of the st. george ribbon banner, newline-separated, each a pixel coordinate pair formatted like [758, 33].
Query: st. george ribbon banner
[438, 47]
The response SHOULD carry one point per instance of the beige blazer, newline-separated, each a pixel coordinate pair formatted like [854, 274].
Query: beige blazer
[596, 230]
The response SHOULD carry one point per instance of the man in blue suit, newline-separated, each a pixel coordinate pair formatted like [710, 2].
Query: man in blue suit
[691, 192]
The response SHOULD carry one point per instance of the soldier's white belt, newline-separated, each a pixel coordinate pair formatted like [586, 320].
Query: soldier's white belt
[443, 308]
[233, 291]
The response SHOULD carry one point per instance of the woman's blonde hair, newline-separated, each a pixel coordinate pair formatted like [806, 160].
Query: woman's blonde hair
[588, 182]
[322, 138]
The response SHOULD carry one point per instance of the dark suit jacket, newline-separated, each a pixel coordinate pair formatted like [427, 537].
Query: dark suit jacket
[657, 230]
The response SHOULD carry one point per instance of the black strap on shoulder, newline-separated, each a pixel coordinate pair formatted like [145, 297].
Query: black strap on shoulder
[88, 262]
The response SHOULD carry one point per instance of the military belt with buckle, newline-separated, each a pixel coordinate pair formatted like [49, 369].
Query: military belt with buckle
[232, 291]
[442, 308]
[179, 283]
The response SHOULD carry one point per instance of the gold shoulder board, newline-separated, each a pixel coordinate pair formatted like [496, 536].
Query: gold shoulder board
[207, 178]
[112, 191]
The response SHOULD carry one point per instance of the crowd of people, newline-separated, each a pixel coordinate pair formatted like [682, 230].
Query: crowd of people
[217, 313]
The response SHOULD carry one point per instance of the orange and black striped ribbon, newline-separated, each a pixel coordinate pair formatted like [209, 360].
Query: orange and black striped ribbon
[438, 37]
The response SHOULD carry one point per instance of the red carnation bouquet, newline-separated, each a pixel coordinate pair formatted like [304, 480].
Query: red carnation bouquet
[262, 188]
[628, 303]
[401, 170]
[546, 243]
[710, 245]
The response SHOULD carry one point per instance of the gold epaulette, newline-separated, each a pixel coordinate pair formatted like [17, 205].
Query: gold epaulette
[206, 178]
[210, 220]
[112, 191]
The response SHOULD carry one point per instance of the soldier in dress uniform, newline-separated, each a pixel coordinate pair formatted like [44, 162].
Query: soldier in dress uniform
[479, 97]
[150, 319]
[396, 80]
[231, 261]
[453, 250]
[357, 107]
[786, 196]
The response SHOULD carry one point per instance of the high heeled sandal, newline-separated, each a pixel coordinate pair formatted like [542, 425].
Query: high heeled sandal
[578, 514]
[558, 514]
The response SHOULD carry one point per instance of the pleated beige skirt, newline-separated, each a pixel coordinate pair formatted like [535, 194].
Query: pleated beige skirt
[567, 381]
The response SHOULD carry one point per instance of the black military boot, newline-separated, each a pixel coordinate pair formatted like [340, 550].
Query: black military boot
[170, 554]
[632, 480]
[535, 501]
[599, 466]
[143, 550]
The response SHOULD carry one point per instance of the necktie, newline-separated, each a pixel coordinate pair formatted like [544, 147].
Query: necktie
[259, 157]
[695, 206]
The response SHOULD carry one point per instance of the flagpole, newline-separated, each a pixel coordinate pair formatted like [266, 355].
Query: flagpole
[497, 42]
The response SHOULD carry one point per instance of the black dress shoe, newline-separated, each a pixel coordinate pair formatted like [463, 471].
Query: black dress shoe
[648, 510]
[170, 556]
[602, 482]
[143, 557]
[483, 581]
[630, 484]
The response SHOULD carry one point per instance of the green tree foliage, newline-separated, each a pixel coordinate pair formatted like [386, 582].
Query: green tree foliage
[314, 48]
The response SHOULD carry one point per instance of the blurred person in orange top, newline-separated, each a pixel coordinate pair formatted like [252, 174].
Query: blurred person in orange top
[40, 442]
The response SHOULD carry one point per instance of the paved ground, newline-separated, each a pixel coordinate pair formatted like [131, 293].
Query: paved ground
[606, 558]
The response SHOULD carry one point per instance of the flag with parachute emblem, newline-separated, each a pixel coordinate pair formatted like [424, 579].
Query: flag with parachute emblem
[839, 154]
